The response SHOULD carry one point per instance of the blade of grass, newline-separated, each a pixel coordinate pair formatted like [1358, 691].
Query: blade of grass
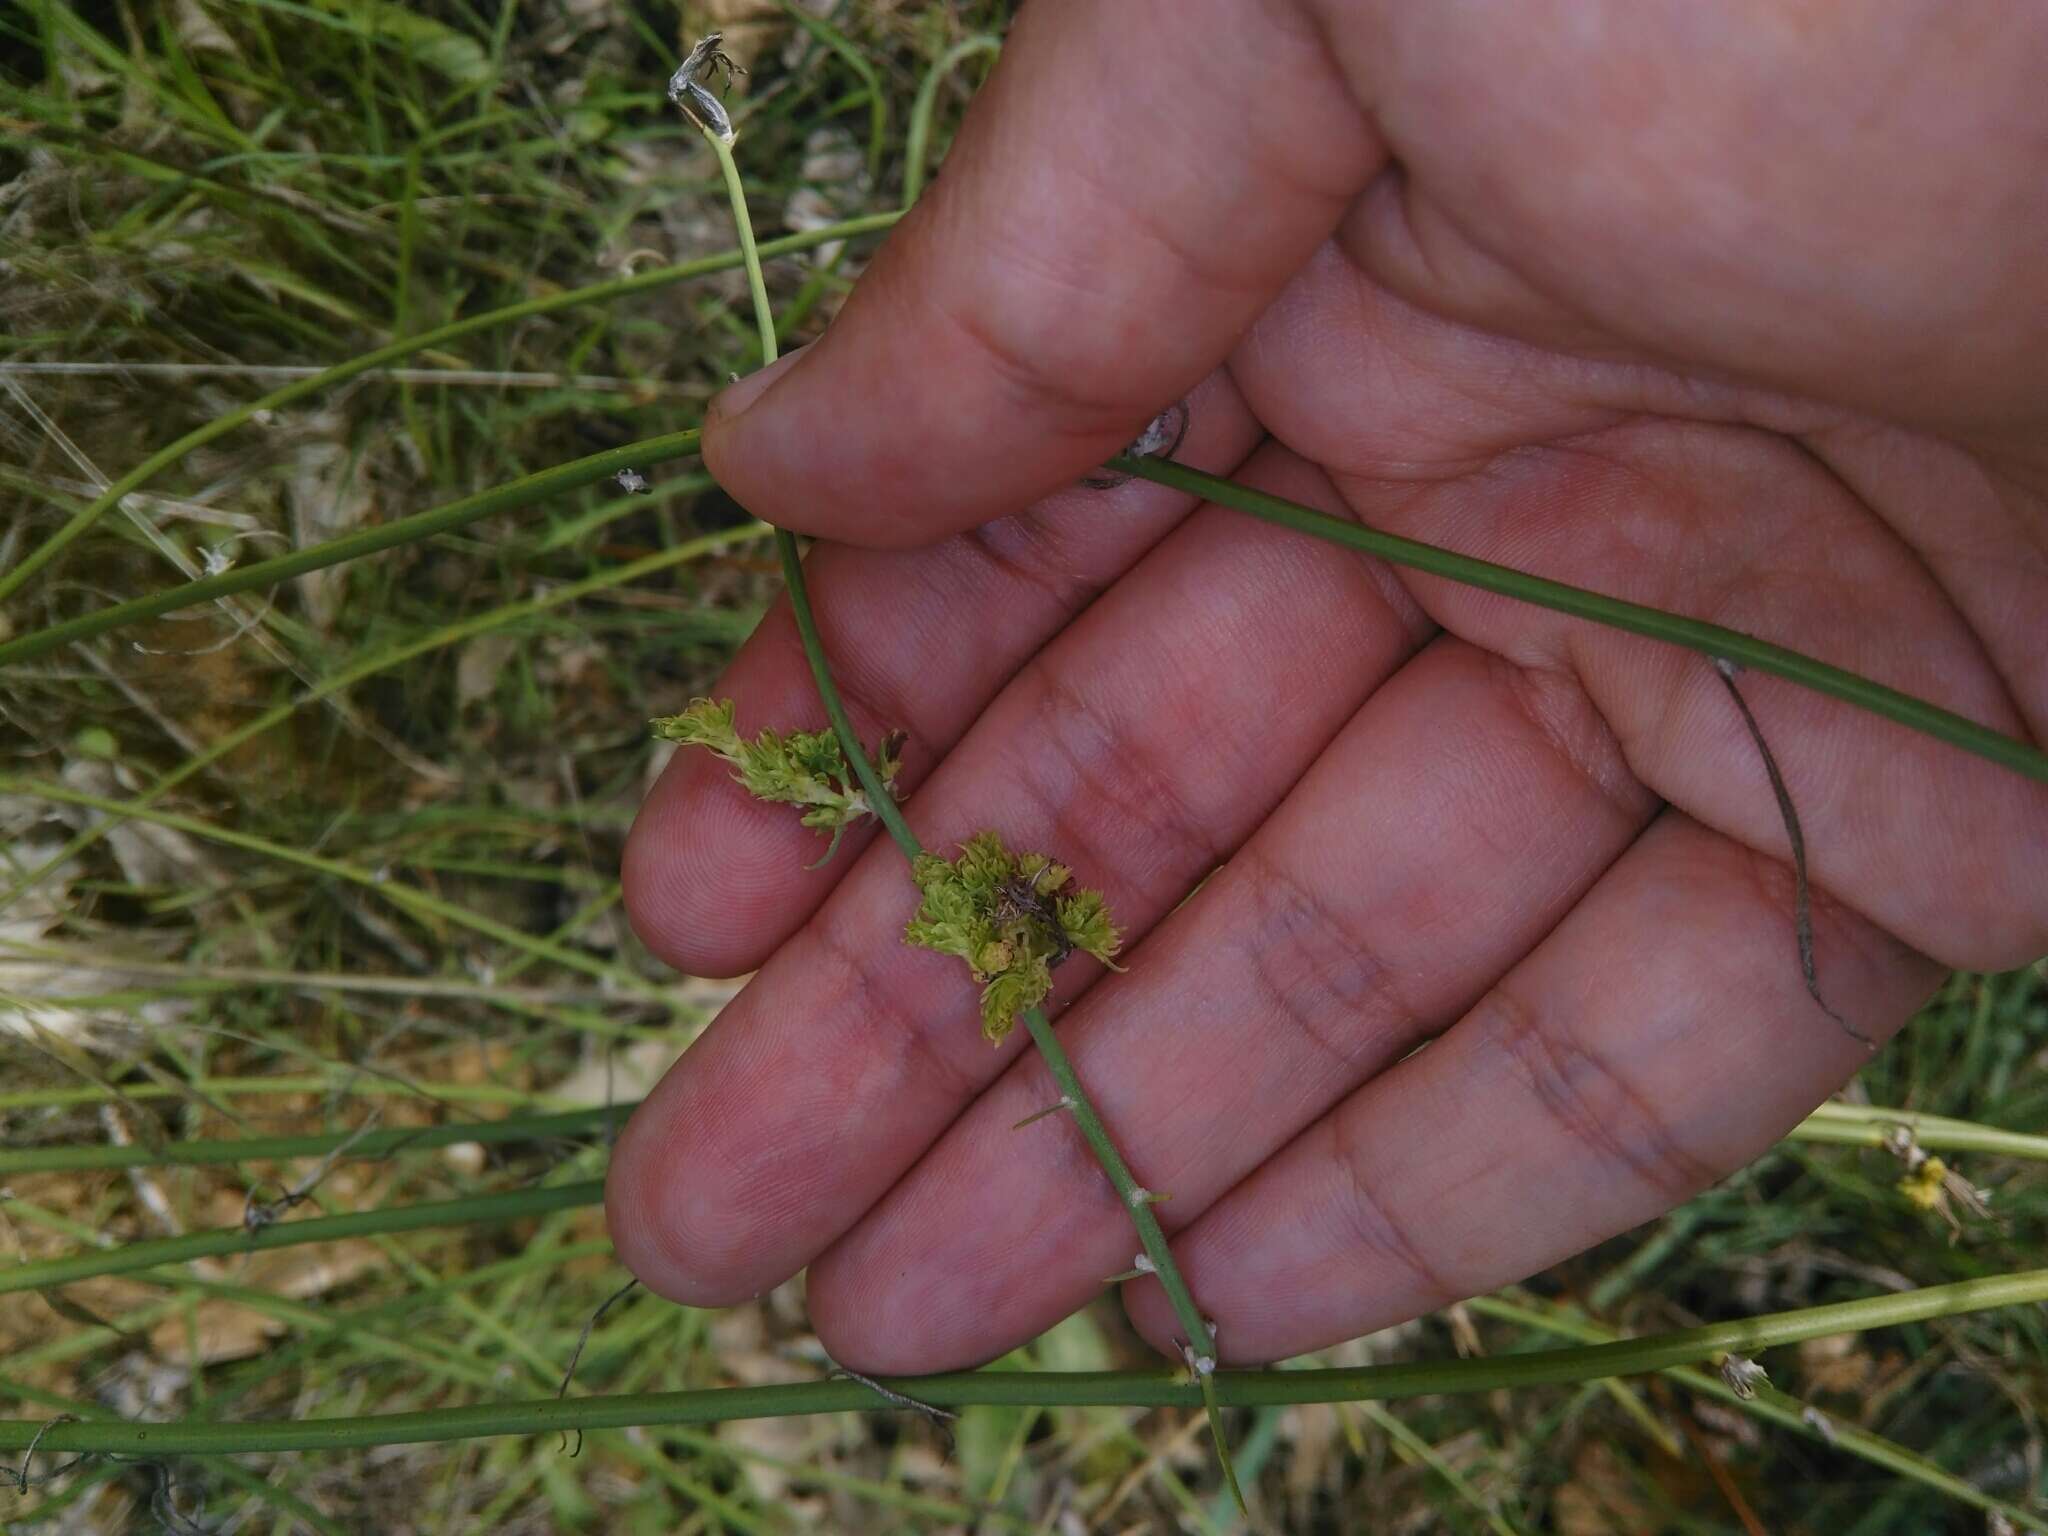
[354, 546]
[397, 655]
[420, 904]
[345, 1078]
[472, 1210]
[408, 346]
[378, 1143]
[917, 147]
[1709, 640]
[1412, 1446]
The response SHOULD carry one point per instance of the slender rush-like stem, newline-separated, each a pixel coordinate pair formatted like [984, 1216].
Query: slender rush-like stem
[368, 541]
[1708, 639]
[1845, 1125]
[1868, 1125]
[249, 1149]
[965, 1389]
[473, 1211]
[408, 346]
[886, 811]
[880, 801]
[916, 147]
[1133, 1198]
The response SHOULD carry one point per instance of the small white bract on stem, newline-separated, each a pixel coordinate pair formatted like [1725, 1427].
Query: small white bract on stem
[1743, 1375]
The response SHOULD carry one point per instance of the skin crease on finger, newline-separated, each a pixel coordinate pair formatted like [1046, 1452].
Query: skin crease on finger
[1586, 1093]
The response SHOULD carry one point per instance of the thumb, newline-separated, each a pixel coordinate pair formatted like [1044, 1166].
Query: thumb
[1135, 183]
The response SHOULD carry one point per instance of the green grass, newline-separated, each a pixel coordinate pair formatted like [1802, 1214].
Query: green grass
[394, 889]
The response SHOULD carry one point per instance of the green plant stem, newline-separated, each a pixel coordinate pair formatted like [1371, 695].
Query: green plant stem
[1775, 1407]
[475, 1210]
[880, 801]
[966, 1389]
[1708, 639]
[1134, 1200]
[368, 541]
[1831, 1124]
[342, 1078]
[370, 1144]
[355, 672]
[916, 147]
[408, 346]
[1866, 1125]
[883, 804]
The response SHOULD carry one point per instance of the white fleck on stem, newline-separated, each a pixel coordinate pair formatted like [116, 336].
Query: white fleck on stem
[1743, 1375]
[1901, 1143]
[1143, 1264]
[1162, 434]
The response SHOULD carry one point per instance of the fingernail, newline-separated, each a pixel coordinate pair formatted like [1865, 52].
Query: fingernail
[729, 402]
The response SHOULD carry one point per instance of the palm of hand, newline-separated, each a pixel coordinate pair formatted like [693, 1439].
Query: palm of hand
[1416, 812]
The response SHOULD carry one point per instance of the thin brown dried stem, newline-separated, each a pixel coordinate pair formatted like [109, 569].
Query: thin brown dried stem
[1802, 891]
[583, 1338]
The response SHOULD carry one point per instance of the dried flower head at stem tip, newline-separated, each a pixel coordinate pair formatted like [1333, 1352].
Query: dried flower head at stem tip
[687, 90]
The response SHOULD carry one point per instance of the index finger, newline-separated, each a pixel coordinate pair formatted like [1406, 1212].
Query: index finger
[1132, 187]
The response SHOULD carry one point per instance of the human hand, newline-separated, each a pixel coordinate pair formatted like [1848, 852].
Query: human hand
[1734, 312]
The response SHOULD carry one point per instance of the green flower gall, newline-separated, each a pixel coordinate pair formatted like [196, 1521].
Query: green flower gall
[802, 768]
[1011, 918]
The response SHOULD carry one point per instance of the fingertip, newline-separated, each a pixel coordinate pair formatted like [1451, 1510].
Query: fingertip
[858, 1322]
[1151, 1314]
[1101, 239]
[671, 1240]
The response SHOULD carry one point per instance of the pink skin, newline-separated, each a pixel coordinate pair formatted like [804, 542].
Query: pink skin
[1733, 311]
